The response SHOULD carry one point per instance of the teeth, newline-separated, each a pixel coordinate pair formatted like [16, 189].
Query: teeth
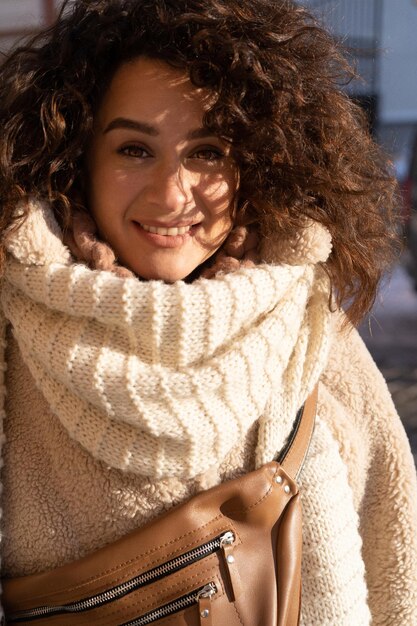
[166, 231]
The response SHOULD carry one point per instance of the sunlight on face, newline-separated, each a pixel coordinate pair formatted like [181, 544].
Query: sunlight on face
[161, 187]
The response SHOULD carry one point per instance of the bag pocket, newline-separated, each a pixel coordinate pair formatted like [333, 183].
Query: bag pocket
[200, 597]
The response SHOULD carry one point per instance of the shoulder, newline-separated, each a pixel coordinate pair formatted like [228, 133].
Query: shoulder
[353, 380]
[352, 377]
[356, 404]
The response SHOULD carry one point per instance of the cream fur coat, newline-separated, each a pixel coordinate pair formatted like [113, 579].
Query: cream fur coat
[359, 541]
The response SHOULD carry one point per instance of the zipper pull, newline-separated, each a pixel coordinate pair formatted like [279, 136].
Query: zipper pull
[227, 546]
[205, 611]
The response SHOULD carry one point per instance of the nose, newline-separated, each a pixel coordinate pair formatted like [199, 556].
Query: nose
[171, 188]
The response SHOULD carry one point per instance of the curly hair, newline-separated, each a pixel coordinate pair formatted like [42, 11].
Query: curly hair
[301, 145]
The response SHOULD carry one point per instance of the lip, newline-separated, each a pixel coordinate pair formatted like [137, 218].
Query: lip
[165, 241]
[169, 224]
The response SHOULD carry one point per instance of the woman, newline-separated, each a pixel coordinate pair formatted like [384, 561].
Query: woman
[187, 202]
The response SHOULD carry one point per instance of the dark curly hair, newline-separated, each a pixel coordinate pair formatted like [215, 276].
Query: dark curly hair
[302, 147]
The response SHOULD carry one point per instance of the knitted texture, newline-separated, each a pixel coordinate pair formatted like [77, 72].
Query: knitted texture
[358, 487]
[50, 516]
[333, 572]
[144, 375]
[82, 240]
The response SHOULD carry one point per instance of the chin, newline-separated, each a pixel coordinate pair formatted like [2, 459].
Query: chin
[166, 269]
[167, 275]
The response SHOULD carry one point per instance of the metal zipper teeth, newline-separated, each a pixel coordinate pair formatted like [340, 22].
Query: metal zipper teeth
[123, 589]
[172, 607]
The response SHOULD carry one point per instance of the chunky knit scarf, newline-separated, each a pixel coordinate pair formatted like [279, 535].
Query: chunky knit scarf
[163, 380]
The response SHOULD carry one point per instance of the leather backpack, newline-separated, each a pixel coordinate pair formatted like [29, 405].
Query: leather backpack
[230, 556]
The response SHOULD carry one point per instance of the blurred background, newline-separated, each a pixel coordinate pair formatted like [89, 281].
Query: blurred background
[380, 37]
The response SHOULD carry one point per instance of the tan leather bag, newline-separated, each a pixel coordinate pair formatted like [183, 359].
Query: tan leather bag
[230, 556]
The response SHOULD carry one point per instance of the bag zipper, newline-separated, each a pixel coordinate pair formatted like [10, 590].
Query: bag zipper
[195, 597]
[221, 542]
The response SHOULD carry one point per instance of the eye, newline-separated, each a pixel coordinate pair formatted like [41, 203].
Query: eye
[134, 150]
[208, 154]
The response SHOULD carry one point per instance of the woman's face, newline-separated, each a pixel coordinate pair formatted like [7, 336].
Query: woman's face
[160, 187]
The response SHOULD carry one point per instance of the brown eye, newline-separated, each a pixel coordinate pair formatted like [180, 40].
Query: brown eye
[208, 154]
[135, 151]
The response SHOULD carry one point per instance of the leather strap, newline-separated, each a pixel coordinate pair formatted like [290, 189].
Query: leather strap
[292, 456]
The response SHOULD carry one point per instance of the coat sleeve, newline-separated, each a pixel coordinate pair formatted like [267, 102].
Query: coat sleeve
[358, 408]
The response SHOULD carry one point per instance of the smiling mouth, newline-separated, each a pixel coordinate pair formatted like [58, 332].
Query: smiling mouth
[169, 232]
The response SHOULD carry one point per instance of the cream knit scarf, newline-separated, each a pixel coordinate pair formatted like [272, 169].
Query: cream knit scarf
[159, 379]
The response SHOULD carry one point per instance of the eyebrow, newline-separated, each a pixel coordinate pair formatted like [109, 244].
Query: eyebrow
[124, 122]
[148, 129]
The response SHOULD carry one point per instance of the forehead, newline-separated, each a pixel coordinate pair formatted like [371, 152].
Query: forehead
[150, 88]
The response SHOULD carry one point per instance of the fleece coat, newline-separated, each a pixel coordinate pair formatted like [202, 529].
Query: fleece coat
[358, 489]
[50, 515]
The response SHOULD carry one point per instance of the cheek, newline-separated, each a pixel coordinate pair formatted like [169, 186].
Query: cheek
[220, 197]
[109, 192]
